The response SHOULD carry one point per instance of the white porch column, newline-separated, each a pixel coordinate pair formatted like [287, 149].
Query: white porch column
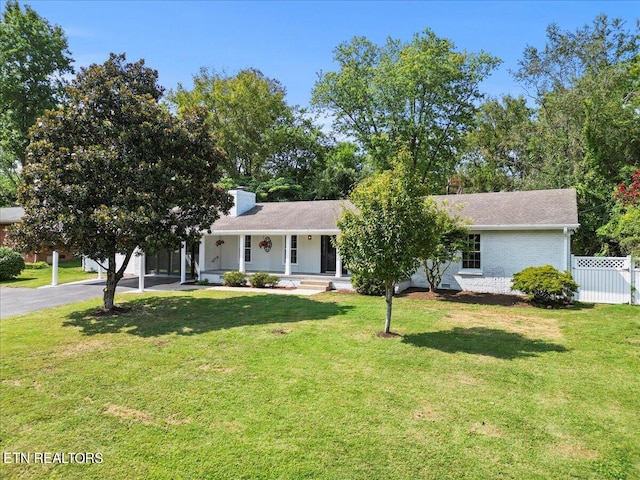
[54, 272]
[141, 269]
[100, 271]
[183, 263]
[338, 265]
[201, 258]
[241, 265]
[287, 255]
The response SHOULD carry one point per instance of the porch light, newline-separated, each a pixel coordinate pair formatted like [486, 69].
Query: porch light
[309, 237]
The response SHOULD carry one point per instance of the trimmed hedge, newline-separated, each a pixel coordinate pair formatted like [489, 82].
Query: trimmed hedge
[263, 279]
[546, 284]
[234, 278]
[11, 263]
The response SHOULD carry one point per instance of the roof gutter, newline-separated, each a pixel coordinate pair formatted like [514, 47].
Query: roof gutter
[523, 227]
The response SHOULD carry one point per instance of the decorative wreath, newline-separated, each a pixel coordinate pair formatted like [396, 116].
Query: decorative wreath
[266, 244]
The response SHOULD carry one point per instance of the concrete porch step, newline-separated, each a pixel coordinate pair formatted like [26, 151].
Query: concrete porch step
[322, 285]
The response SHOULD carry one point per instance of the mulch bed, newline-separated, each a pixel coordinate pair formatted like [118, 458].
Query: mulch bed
[466, 297]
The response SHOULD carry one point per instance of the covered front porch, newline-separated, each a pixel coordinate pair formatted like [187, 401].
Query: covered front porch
[287, 255]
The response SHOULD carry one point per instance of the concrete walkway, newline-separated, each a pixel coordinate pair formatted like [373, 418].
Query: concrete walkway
[16, 301]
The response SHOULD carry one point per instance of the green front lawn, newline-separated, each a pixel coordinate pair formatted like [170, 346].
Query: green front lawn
[224, 385]
[70, 271]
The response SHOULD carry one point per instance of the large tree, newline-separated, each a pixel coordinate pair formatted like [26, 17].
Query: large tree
[34, 58]
[586, 85]
[113, 171]
[381, 238]
[263, 137]
[417, 96]
[497, 153]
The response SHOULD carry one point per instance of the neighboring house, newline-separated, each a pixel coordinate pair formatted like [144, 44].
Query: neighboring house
[11, 215]
[509, 231]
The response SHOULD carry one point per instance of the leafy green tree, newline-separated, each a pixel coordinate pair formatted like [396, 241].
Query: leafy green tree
[380, 238]
[263, 137]
[624, 226]
[34, 58]
[113, 170]
[343, 169]
[587, 133]
[450, 239]
[497, 153]
[417, 96]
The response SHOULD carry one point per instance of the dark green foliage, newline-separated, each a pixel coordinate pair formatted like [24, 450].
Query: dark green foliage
[11, 263]
[263, 279]
[545, 283]
[234, 278]
[367, 286]
[117, 171]
[33, 60]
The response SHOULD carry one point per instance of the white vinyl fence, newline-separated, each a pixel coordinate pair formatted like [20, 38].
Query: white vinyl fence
[607, 279]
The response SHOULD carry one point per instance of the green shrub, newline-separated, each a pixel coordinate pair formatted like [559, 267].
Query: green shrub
[263, 279]
[204, 281]
[234, 278]
[546, 284]
[36, 266]
[11, 263]
[367, 286]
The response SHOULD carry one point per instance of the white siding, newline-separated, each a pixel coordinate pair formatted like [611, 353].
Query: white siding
[503, 253]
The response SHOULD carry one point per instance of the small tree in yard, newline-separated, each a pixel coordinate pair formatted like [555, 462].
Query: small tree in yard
[379, 239]
[113, 170]
[451, 238]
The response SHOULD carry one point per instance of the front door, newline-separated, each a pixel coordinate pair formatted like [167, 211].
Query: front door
[327, 255]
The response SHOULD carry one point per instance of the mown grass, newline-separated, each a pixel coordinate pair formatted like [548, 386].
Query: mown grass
[70, 271]
[226, 385]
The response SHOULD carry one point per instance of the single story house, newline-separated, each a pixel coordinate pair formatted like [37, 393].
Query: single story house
[11, 215]
[509, 231]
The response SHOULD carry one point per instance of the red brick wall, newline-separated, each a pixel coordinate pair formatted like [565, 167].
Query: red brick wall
[33, 257]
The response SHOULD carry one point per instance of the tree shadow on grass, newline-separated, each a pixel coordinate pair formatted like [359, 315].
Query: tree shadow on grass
[186, 315]
[483, 341]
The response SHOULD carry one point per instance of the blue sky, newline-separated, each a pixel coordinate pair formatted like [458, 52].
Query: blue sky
[292, 41]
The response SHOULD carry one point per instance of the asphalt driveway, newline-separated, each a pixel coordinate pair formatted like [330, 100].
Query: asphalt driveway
[15, 301]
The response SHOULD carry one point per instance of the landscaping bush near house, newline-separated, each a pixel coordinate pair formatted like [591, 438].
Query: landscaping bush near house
[35, 265]
[11, 263]
[367, 286]
[546, 284]
[234, 278]
[263, 279]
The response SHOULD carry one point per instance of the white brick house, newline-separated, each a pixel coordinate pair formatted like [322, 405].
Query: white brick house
[510, 230]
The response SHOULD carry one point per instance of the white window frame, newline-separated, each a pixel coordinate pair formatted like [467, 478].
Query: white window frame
[476, 254]
[247, 248]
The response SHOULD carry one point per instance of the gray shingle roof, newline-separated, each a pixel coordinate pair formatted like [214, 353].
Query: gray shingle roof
[317, 215]
[535, 208]
[522, 210]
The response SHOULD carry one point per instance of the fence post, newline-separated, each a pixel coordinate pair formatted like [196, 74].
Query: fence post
[632, 280]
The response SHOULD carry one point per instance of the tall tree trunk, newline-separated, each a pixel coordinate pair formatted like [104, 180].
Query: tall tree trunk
[108, 299]
[388, 295]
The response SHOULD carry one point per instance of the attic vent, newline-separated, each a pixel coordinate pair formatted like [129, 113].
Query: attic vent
[445, 285]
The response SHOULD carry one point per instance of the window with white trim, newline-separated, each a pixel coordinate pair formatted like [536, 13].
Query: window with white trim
[471, 256]
[247, 248]
[294, 250]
